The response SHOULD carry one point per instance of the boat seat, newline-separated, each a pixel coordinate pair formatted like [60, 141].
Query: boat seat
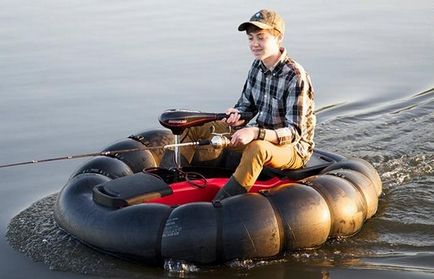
[229, 161]
[318, 161]
[129, 190]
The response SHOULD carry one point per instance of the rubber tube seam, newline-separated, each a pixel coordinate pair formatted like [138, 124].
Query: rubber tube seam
[332, 217]
[219, 235]
[158, 243]
[279, 219]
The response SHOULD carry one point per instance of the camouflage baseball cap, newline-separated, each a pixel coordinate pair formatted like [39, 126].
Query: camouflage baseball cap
[265, 19]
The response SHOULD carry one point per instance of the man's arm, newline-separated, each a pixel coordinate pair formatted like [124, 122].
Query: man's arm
[298, 103]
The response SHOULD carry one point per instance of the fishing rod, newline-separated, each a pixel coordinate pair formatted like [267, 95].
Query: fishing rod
[106, 153]
[174, 119]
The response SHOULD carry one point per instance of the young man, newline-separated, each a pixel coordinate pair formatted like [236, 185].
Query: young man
[279, 92]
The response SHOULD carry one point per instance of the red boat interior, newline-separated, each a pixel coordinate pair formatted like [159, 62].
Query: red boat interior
[204, 190]
[178, 186]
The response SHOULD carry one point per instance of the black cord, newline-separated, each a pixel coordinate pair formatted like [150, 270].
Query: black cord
[190, 176]
[176, 175]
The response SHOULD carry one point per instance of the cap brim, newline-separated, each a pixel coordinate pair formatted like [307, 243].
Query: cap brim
[243, 26]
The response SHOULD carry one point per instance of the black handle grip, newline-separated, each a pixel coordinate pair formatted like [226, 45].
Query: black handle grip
[204, 142]
[179, 120]
[243, 115]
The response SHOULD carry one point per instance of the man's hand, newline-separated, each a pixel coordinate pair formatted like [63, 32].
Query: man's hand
[233, 118]
[244, 136]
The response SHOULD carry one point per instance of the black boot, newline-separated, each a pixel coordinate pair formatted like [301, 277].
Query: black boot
[231, 188]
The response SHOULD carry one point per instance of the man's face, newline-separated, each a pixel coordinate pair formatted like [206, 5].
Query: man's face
[263, 44]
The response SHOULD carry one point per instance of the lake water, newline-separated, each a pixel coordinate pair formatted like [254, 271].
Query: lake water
[78, 75]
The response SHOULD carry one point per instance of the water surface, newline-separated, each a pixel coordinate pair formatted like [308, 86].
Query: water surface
[78, 75]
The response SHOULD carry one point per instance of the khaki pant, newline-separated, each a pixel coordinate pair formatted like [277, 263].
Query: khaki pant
[255, 155]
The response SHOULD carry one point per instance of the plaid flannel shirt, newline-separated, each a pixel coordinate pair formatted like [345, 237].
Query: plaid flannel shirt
[282, 99]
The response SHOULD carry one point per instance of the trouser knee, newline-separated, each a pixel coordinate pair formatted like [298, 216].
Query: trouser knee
[257, 150]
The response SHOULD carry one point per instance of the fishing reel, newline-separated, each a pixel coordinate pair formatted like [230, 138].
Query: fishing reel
[219, 140]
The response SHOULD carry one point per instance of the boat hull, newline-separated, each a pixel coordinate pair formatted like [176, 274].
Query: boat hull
[176, 218]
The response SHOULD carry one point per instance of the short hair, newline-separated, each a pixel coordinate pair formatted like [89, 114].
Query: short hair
[253, 28]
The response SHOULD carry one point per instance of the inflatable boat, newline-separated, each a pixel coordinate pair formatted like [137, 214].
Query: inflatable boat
[128, 205]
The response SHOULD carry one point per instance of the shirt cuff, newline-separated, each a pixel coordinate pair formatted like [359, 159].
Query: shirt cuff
[284, 135]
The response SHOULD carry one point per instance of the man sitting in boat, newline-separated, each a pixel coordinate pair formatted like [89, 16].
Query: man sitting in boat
[279, 92]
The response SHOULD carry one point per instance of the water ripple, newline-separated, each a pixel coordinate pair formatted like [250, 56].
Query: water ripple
[397, 139]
